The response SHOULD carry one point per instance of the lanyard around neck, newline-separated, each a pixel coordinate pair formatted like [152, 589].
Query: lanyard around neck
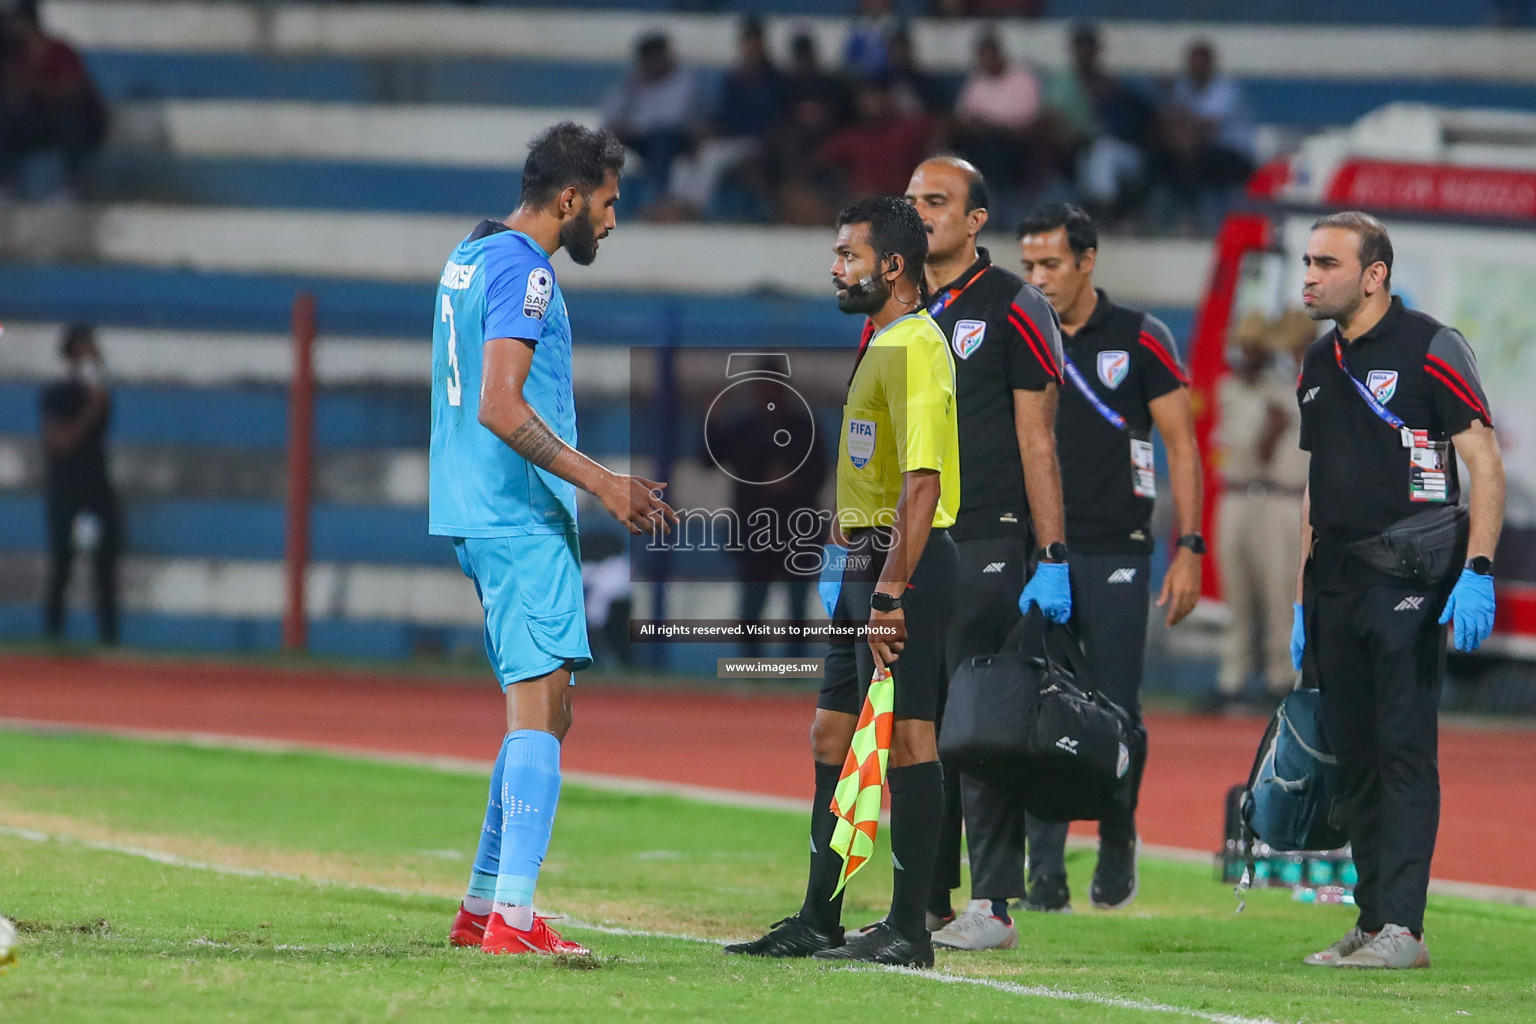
[1115, 419]
[1384, 414]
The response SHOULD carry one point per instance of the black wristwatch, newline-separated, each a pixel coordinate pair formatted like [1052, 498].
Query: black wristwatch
[1194, 541]
[1482, 565]
[885, 602]
[1056, 551]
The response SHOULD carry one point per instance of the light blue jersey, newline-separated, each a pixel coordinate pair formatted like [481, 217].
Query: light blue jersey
[497, 284]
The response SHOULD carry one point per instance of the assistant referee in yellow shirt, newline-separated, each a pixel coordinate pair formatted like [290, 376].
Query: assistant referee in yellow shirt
[898, 489]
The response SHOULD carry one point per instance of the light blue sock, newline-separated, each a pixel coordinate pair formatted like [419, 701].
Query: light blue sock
[482, 879]
[530, 789]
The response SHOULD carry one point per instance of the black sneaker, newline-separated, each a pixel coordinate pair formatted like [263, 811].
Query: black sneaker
[1114, 880]
[883, 944]
[791, 937]
[1048, 894]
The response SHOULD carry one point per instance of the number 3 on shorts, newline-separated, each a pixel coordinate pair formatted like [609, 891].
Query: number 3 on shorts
[455, 390]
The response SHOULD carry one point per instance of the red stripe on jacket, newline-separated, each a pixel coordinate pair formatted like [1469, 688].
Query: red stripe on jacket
[1432, 364]
[1162, 353]
[1026, 327]
[1453, 389]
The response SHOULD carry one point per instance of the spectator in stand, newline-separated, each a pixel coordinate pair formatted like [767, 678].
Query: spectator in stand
[753, 99]
[48, 102]
[655, 112]
[866, 54]
[997, 119]
[1205, 140]
[1105, 123]
[914, 90]
[817, 105]
[873, 155]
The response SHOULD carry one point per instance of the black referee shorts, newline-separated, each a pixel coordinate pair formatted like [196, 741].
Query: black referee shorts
[921, 673]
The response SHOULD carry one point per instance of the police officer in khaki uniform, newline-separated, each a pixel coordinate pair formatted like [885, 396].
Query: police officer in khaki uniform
[1263, 473]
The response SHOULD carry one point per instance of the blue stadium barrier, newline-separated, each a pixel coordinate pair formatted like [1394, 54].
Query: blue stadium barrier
[147, 176]
[144, 297]
[126, 75]
[361, 639]
[257, 417]
[212, 528]
[1322, 12]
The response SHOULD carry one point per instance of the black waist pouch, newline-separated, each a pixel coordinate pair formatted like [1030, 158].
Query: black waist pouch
[1425, 548]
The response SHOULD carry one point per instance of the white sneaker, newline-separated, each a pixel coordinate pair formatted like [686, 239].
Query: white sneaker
[1394, 947]
[1330, 957]
[976, 928]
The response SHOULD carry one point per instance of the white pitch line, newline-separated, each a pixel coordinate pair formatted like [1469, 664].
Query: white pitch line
[1046, 992]
[1006, 987]
[645, 787]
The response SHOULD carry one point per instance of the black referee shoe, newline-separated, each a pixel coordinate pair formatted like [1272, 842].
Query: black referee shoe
[1047, 894]
[791, 937]
[883, 944]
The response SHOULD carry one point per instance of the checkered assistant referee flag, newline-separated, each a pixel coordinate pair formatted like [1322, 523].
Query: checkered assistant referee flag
[856, 801]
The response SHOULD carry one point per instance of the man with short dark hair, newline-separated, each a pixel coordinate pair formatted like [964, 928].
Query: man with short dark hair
[898, 489]
[75, 415]
[1124, 380]
[1007, 349]
[1389, 398]
[503, 474]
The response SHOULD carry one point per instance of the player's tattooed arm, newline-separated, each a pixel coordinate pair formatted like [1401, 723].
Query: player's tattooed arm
[535, 442]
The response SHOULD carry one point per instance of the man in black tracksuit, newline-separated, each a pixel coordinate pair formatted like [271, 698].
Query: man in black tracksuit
[1007, 348]
[75, 414]
[1123, 379]
[1388, 400]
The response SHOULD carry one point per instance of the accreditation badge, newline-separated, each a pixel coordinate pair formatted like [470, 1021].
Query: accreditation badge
[861, 442]
[1143, 469]
[1428, 477]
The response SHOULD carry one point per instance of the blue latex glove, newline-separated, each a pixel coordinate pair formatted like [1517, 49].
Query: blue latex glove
[1470, 608]
[1050, 588]
[835, 556]
[1298, 637]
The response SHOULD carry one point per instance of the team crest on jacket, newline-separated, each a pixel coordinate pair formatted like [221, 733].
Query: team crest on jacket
[1383, 384]
[541, 286]
[1113, 366]
[968, 336]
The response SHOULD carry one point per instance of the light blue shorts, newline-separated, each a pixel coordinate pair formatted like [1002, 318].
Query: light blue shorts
[530, 588]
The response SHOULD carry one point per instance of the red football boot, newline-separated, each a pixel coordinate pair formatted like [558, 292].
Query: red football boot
[468, 929]
[501, 937]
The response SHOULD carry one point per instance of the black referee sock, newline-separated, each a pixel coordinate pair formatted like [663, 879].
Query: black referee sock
[917, 812]
[822, 911]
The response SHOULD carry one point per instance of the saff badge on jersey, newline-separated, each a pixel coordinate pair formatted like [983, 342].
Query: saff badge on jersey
[1383, 384]
[541, 286]
[968, 336]
[1114, 364]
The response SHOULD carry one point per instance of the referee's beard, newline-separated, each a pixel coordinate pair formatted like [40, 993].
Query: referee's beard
[867, 296]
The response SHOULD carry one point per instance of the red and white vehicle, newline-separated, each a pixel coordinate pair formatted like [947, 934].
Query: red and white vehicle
[1457, 191]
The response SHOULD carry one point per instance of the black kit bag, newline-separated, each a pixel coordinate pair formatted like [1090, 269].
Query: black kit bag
[1028, 720]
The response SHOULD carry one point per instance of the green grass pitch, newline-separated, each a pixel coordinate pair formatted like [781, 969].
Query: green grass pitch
[168, 883]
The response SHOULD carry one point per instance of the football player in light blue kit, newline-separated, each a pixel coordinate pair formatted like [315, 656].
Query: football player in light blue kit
[504, 471]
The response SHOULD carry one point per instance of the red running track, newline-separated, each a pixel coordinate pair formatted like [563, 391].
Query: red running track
[728, 740]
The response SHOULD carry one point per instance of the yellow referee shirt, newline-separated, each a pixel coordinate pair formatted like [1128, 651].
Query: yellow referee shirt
[900, 416]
